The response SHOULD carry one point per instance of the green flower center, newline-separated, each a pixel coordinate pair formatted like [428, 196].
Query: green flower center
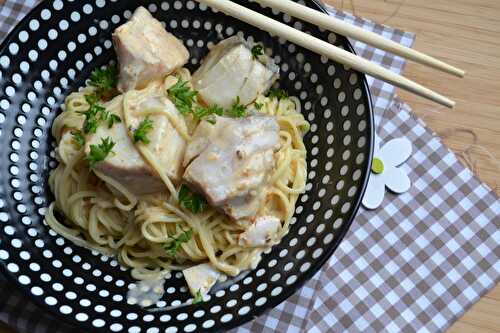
[377, 165]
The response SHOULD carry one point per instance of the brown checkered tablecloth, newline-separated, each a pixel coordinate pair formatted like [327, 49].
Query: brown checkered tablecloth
[413, 265]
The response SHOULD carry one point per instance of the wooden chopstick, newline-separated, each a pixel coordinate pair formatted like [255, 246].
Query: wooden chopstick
[324, 48]
[333, 24]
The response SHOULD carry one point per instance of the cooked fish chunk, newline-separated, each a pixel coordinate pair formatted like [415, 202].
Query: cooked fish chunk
[199, 141]
[200, 278]
[261, 232]
[232, 167]
[126, 164]
[166, 140]
[230, 71]
[146, 51]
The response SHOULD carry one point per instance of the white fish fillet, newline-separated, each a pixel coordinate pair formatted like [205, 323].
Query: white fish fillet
[261, 232]
[231, 162]
[126, 164]
[200, 278]
[230, 71]
[146, 51]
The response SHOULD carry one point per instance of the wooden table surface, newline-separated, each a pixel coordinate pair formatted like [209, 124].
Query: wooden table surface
[464, 33]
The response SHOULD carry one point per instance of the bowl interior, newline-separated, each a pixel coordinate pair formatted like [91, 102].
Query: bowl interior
[52, 52]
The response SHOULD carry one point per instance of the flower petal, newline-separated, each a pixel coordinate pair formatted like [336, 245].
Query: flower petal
[375, 191]
[395, 152]
[397, 180]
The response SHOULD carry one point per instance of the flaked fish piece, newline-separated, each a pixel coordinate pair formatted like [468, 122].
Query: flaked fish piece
[230, 71]
[230, 162]
[199, 141]
[126, 164]
[167, 142]
[146, 51]
[200, 278]
[261, 232]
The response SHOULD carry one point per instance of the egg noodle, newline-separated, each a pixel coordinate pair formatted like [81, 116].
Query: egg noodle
[98, 212]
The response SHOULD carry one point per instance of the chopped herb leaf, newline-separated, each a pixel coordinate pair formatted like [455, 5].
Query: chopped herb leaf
[198, 298]
[104, 80]
[95, 114]
[191, 201]
[182, 96]
[99, 110]
[211, 120]
[112, 119]
[91, 99]
[278, 93]
[175, 243]
[93, 117]
[141, 132]
[103, 114]
[258, 106]
[99, 152]
[78, 138]
[202, 112]
[237, 110]
[257, 50]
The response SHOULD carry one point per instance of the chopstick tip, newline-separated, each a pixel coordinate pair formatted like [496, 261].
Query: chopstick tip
[461, 73]
[457, 72]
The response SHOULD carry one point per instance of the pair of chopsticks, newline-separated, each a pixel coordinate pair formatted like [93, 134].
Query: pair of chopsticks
[335, 53]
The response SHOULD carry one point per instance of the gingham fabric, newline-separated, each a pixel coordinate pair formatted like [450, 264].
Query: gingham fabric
[12, 12]
[414, 264]
[422, 260]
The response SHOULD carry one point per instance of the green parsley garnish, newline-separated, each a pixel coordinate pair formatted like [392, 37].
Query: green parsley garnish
[258, 106]
[182, 96]
[278, 93]
[112, 119]
[92, 99]
[211, 120]
[93, 116]
[257, 50]
[198, 298]
[99, 152]
[201, 112]
[104, 80]
[191, 201]
[175, 242]
[96, 114]
[78, 138]
[237, 110]
[141, 132]
[208, 113]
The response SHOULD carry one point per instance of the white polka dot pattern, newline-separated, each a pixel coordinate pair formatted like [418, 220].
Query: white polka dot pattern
[51, 54]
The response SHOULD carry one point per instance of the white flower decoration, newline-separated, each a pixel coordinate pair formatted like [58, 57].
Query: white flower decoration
[385, 171]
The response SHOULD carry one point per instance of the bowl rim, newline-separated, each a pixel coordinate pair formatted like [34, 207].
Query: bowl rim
[287, 292]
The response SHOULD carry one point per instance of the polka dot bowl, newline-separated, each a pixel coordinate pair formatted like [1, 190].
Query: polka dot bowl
[51, 53]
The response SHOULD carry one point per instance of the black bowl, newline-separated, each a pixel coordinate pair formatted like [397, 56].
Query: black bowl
[51, 53]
